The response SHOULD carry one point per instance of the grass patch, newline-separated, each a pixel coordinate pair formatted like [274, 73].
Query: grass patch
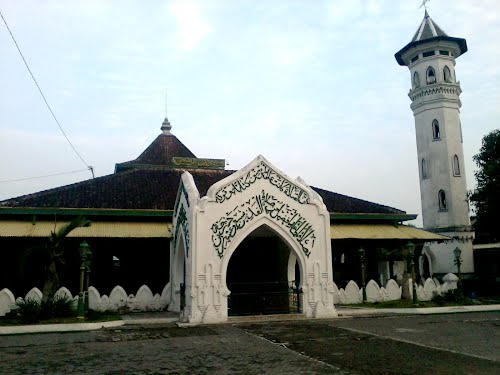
[92, 317]
[398, 304]
[405, 304]
[453, 297]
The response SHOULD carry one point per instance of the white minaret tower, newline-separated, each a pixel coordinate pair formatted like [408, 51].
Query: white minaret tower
[435, 96]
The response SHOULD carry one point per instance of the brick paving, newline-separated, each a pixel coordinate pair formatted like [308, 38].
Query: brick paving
[156, 350]
[439, 344]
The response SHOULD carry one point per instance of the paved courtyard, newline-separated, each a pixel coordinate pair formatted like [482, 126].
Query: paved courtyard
[437, 344]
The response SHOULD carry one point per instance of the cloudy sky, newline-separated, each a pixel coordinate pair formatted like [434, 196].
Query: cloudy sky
[311, 85]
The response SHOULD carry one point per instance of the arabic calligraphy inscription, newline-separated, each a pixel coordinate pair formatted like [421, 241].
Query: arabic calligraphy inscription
[225, 229]
[262, 172]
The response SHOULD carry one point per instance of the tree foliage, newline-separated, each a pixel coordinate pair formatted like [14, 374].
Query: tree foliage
[55, 250]
[486, 198]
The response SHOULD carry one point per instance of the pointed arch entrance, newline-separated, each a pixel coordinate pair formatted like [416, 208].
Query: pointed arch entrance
[263, 275]
[255, 222]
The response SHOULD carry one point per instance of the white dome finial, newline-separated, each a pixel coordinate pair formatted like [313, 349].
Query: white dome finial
[165, 126]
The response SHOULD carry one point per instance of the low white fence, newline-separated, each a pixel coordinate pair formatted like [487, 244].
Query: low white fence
[431, 287]
[392, 291]
[144, 300]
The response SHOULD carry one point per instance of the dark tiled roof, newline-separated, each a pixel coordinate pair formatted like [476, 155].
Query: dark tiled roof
[159, 153]
[151, 188]
[428, 29]
[339, 203]
[156, 188]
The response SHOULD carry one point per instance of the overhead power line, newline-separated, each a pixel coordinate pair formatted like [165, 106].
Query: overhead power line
[47, 175]
[89, 167]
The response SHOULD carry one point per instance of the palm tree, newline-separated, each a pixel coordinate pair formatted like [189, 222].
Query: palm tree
[55, 251]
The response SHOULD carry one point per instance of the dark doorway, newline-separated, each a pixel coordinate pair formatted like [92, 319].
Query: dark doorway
[258, 276]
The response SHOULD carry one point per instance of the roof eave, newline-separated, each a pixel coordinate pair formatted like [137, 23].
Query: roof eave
[462, 45]
[371, 217]
[83, 211]
[167, 213]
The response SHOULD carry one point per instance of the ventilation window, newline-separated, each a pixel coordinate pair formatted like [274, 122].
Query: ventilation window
[447, 74]
[416, 80]
[445, 53]
[428, 54]
[456, 166]
[425, 175]
[443, 205]
[414, 58]
[431, 76]
[436, 134]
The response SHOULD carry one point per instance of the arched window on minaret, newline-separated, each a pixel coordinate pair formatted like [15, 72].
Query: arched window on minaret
[447, 75]
[443, 206]
[424, 170]
[436, 134]
[416, 80]
[456, 166]
[431, 75]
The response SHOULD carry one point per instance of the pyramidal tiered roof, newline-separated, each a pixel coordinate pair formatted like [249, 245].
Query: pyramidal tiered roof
[152, 180]
[160, 153]
[428, 29]
[430, 32]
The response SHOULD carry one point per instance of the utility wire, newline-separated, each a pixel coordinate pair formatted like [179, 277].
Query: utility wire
[89, 167]
[47, 175]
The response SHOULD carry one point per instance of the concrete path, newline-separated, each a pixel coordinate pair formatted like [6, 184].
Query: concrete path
[166, 317]
[362, 311]
[428, 344]
[472, 334]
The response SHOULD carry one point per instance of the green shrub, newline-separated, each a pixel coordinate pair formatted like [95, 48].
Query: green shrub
[93, 315]
[31, 311]
[58, 307]
[28, 310]
[450, 296]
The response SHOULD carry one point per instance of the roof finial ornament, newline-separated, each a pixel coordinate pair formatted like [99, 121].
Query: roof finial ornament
[165, 126]
[424, 4]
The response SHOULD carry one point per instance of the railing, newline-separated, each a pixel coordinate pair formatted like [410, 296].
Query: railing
[263, 298]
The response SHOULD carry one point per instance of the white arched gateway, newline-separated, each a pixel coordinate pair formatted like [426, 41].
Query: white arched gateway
[255, 227]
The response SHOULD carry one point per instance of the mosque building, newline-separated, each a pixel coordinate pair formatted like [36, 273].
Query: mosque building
[218, 236]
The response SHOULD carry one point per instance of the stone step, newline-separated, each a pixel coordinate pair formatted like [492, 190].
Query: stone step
[265, 318]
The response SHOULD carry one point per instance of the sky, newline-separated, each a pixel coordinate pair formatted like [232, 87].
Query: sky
[311, 85]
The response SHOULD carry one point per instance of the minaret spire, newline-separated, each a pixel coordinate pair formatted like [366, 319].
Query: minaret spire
[166, 126]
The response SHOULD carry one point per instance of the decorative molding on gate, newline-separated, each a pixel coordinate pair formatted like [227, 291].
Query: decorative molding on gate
[181, 223]
[187, 198]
